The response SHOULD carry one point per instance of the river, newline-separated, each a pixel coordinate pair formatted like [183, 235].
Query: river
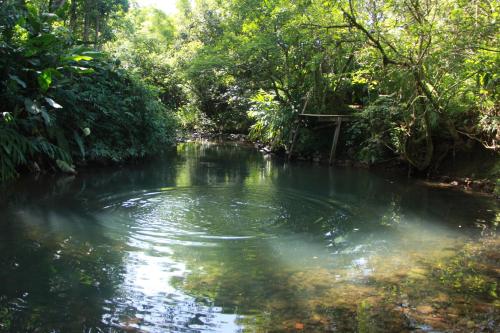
[219, 238]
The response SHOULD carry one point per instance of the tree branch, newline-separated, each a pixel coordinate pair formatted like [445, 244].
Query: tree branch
[319, 26]
[375, 42]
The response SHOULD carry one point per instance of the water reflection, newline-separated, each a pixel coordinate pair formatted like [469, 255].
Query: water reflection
[217, 238]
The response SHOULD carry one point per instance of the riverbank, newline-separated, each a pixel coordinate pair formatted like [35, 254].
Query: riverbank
[459, 178]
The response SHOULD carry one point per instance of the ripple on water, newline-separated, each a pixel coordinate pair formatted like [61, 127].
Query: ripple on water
[205, 216]
[161, 226]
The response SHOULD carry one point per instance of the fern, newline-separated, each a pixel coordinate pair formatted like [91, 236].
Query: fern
[46, 149]
[14, 152]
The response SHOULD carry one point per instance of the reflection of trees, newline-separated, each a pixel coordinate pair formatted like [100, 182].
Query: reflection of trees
[377, 204]
[215, 164]
[58, 263]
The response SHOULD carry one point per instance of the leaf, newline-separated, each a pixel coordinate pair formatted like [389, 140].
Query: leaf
[31, 106]
[63, 9]
[93, 54]
[79, 142]
[50, 16]
[46, 117]
[18, 80]
[32, 9]
[44, 42]
[82, 70]
[34, 61]
[61, 139]
[7, 116]
[65, 167]
[86, 131]
[77, 58]
[45, 79]
[30, 51]
[53, 103]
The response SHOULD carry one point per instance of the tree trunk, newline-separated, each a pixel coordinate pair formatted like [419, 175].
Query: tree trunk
[450, 126]
[418, 162]
[96, 35]
[86, 24]
[72, 17]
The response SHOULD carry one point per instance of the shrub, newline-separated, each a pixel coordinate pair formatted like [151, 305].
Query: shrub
[61, 103]
[272, 122]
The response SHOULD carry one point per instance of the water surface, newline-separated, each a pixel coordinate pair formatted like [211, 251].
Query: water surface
[218, 238]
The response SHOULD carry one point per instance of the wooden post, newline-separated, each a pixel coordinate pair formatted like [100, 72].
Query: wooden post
[335, 140]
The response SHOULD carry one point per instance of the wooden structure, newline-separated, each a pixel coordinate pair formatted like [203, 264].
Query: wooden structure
[334, 119]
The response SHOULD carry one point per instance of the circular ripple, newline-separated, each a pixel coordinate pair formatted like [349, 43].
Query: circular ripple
[205, 216]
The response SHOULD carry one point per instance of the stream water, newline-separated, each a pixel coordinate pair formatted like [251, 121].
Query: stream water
[218, 238]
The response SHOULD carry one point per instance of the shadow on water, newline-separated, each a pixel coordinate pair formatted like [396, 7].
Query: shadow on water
[218, 238]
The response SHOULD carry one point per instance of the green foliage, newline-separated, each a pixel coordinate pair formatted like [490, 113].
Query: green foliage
[125, 119]
[425, 75]
[270, 119]
[144, 47]
[378, 131]
[441, 70]
[63, 104]
[192, 119]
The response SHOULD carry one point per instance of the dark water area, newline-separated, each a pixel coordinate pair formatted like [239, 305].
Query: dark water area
[218, 238]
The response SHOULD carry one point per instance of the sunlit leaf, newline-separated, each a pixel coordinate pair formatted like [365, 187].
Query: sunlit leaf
[7, 116]
[77, 57]
[45, 79]
[86, 131]
[93, 54]
[50, 16]
[82, 70]
[53, 103]
[65, 166]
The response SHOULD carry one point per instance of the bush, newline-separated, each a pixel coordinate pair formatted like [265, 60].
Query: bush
[61, 104]
[125, 118]
[272, 122]
[378, 131]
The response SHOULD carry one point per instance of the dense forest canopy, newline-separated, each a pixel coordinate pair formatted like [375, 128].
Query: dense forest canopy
[103, 80]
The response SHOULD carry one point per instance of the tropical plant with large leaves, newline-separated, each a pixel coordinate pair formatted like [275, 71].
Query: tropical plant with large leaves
[62, 103]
